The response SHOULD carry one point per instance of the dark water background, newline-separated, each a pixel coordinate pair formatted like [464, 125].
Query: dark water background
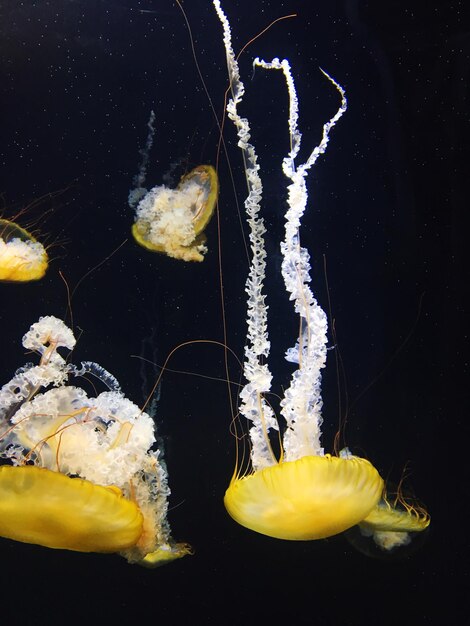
[78, 79]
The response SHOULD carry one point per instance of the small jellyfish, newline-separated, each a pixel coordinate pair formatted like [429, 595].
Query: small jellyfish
[22, 258]
[172, 221]
[81, 472]
[392, 525]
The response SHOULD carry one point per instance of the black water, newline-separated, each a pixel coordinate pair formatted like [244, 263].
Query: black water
[78, 80]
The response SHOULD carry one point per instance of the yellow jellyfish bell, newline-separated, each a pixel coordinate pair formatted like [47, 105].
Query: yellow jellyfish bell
[306, 494]
[392, 525]
[172, 221]
[80, 473]
[22, 258]
[50, 509]
[311, 498]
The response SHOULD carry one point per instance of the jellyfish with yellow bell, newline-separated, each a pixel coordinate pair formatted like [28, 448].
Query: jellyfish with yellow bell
[172, 221]
[305, 494]
[80, 473]
[22, 257]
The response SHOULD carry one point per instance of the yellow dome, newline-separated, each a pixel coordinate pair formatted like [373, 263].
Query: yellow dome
[50, 509]
[311, 498]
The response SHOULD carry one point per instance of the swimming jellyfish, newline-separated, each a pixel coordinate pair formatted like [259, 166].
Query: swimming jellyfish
[172, 221]
[79, 471]
[22, 258]
[305, 494]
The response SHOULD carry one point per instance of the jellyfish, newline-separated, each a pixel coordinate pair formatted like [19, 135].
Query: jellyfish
[172, 221]
[22, 258]
[305, 494]
[79, 472]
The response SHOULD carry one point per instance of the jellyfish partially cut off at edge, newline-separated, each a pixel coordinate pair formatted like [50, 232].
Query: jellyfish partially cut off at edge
[172, 221]
[22, 258]
[305, 494]
[79, 472]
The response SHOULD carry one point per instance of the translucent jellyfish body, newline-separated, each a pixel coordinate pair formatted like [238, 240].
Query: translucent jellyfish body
[172, 221]
[80, 472]
[22, 258]
[394, 524]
